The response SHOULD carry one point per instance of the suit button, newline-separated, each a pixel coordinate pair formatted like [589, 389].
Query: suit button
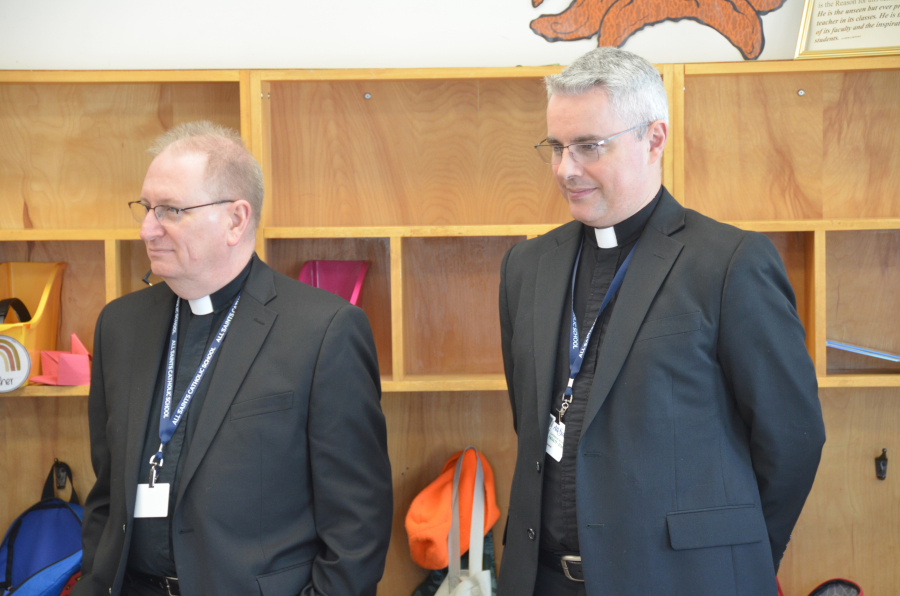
[123, 527]
[531, 533]
[538, 466]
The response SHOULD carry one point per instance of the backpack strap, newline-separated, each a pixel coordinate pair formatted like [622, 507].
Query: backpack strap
[18, 306]
[61, 471]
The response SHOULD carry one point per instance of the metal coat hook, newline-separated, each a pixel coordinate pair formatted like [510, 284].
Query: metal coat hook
[881, 465]
[60, 473]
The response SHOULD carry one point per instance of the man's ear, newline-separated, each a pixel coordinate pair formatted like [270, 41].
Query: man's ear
[239, 221]
[657, 133]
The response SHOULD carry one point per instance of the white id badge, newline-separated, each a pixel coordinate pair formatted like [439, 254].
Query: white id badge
[555, 438]
[152, 502]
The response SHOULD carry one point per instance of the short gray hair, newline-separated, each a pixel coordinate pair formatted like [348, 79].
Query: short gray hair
[634, 87]
[231, 171]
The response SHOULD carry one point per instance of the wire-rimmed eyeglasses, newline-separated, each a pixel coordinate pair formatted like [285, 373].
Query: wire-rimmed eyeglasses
[164, 214]
[582, 153]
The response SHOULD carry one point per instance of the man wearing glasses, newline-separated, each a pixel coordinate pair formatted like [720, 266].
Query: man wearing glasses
[236, 427]
[669, 427]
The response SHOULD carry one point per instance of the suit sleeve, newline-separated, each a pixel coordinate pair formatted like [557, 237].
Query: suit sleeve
[506, 332]
[351, 474]
[763, 353]
[96, 506]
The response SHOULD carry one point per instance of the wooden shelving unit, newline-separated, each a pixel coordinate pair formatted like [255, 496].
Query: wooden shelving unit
[429, 175]
[810, 151]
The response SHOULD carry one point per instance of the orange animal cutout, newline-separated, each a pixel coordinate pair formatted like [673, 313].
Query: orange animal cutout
[617, 20]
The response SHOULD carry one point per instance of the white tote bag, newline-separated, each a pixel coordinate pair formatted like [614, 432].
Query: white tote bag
[475, 581]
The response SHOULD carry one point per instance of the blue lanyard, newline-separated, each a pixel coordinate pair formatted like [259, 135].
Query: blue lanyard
[168, 421]
[576, 354]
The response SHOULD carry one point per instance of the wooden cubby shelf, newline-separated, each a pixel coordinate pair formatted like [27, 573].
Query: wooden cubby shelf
[473, 382]
[430, 175]
[426, 383]
[48, 391]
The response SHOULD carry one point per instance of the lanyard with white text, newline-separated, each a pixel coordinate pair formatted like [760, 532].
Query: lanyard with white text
[168, 421]
[576, 355]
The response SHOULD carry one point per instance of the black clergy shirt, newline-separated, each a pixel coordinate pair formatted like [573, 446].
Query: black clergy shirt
[596, 269]
[151, 541]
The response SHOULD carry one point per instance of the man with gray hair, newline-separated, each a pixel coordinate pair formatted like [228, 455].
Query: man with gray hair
[236, 427]
[668, 421]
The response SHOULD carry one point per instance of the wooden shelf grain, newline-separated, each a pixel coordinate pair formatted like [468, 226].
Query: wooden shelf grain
[50, 235]
[407, 74]
[474, 382]
[119, 76]
[48, 391]
[429, 383]
[847, 381]
[790, 66]
[531, 230]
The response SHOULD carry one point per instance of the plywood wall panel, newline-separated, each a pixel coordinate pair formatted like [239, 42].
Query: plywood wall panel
[413, 153]
[514, 185]
[862, 156]
[424, 430]
[862, 286]
[451, 293]
[71, 156]
[82, 296]
[288, 256]
[34, 431]
[793, 248]
[753, 146]
[135, 265]
[848, 527]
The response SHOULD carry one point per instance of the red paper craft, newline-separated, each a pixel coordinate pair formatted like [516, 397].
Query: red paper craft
[65, 368]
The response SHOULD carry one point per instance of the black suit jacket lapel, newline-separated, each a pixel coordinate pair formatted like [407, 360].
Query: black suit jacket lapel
[149, 347]
[249, 329]
[653, 258]
[554, 276]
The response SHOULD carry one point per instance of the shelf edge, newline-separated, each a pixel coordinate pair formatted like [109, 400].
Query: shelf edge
[424, 384]
[49, 235]
[858, 381]
[48, 391]
[119, 76]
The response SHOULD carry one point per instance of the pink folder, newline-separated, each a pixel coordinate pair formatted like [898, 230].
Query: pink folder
[344, 278]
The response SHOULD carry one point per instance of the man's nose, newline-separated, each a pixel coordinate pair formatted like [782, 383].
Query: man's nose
[567, 165]
[150, 227]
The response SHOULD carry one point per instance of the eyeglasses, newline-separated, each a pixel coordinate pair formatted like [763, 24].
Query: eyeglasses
[163, 213]
[581, 152]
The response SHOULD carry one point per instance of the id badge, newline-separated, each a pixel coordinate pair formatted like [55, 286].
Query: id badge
[555, 438]
[152, 502]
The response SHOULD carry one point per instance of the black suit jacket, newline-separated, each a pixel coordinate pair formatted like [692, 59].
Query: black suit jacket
[286, 487]
[703, 429]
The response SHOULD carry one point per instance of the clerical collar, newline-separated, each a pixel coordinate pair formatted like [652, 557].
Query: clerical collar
[224, 296]
[625, 232]
[606, 237]
[201, 306]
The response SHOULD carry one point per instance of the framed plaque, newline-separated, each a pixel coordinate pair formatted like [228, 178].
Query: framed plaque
[837, 28]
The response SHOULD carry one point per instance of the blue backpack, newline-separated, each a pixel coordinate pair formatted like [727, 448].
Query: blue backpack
[42, 548]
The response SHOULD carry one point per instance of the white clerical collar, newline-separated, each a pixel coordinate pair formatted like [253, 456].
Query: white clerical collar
[606, 237]
[201, 306]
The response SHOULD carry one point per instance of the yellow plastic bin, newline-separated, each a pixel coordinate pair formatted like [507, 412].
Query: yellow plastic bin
[37, 285]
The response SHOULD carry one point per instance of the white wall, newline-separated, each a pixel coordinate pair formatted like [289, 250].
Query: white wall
[177, 34]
